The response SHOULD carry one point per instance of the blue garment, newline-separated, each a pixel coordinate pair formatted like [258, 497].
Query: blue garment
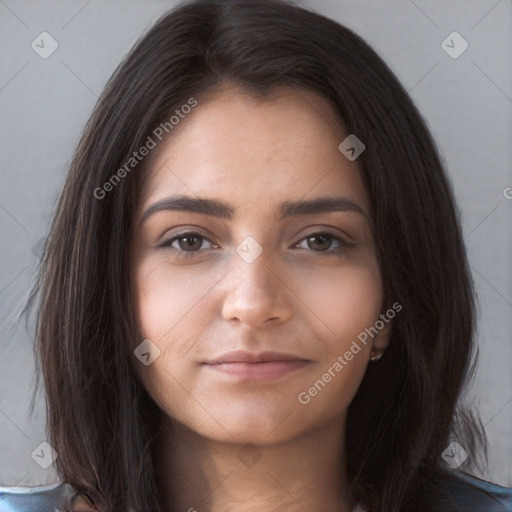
[41, 498]
[486, 497]
[472, 494]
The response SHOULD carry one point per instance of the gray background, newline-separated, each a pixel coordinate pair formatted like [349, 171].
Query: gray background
[467, 103]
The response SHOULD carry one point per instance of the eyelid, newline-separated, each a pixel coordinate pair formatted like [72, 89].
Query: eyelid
[183, 230]
[167, 242]
[327, 230]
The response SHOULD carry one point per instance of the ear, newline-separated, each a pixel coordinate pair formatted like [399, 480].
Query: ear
[381, 339]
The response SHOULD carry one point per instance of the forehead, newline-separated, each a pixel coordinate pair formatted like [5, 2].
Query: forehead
[252, 151]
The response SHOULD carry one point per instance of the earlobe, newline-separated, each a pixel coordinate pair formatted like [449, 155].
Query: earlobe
[376, 357]
[381, 342]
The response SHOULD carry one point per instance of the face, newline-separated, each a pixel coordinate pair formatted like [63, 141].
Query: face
[248, 274]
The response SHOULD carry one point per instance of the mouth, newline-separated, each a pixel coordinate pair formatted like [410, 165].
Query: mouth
[246, 366]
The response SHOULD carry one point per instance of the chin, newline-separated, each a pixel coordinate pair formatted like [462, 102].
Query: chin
[253, 424]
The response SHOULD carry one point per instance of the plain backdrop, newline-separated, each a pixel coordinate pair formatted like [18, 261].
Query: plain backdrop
[44, 104]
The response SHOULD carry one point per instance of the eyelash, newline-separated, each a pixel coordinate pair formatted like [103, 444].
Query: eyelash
[167, 244]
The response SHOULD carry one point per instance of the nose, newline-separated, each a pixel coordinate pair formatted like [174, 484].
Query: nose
[256, 293]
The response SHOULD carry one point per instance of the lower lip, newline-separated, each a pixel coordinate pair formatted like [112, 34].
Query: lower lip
[258, 371]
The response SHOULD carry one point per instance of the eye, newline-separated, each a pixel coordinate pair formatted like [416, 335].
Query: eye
[187, 242]
[322, 241]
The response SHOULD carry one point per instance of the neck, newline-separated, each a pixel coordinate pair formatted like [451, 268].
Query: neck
[195, 473]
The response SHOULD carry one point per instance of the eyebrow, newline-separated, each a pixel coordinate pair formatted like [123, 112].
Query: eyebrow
[223, 210]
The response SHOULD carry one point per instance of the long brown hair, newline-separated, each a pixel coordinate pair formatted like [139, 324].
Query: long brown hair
[100, 419]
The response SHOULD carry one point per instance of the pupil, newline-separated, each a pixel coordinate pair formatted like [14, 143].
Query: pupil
[190, 240]
[321, 238]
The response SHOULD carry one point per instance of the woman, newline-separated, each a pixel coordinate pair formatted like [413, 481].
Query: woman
[255, 293]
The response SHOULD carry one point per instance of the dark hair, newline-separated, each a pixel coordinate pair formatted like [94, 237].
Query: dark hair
[101, 421]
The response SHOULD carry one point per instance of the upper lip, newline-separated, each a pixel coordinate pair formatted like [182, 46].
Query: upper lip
[241, 356]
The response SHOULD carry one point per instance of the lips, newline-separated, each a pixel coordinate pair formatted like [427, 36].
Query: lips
[264, 366]
[241, 356]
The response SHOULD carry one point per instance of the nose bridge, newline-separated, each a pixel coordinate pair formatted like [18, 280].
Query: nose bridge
[255, 294]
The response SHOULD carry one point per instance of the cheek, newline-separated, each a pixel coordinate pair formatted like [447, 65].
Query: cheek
[166, 298]
[170, 305]
[341, 302]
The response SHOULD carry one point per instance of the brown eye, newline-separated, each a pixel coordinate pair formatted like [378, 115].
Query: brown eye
[186, 242]
[190, 242]
[322, 242]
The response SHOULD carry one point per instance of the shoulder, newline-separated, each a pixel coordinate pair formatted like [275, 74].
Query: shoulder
[43, 498]
[466, 493]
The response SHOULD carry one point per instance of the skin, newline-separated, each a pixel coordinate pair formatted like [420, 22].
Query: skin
[298, 296]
